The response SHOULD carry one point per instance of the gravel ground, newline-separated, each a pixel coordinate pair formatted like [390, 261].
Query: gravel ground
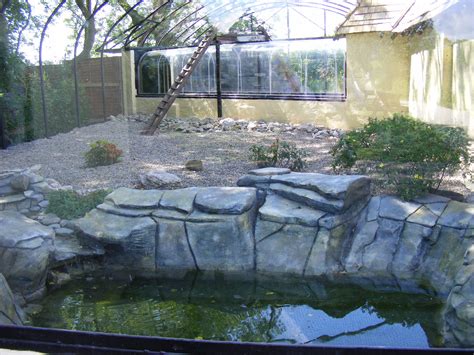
[224, 154]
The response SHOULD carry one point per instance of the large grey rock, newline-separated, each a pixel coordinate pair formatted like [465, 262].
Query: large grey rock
[373, 208]
[181, 200]
[282, 210]
[225, 200]
[318, 258]
[46, 186]
[132, 198]
[135, 236]
[264, 229]
[250, 180]
[458, 215]
[222, 242]
[70, 247]
[423, 216]
[158, 179]
[173, 249]
[20, 182]
[10, 313]
[364, 235]
[342, 187]
[25, 249]
[378, 255]
[127, 212]
[286, 251]
[270, 171]
[308, 198]
[459, 310]
[431, 198]
[348, 217]
[411, 247]
[12, 199]
[444, 258]
[394, 208]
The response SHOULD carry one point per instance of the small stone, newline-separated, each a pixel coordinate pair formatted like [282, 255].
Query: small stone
[35, 209]
[194, 165]
[64, 231]
[38, 197]
[58, 278]
[50, 219]
[44, 203]
[55, 226]
[227, 124]
[28, 193]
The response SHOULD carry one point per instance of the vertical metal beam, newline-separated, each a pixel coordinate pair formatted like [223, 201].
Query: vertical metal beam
[218, 80]
[40, 61]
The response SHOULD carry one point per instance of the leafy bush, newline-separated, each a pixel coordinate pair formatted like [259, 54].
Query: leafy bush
[70, 205]
[413, 156]
[281, 154]
[102, 153]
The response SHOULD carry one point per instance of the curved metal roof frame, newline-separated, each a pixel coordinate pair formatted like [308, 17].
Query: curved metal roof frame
[221, 14]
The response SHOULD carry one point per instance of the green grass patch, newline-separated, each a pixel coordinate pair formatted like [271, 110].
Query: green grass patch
[71, 205]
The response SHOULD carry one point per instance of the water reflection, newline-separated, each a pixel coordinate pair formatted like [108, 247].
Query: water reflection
[222, 307]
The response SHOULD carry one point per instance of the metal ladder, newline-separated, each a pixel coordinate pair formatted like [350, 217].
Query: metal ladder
[178, 84]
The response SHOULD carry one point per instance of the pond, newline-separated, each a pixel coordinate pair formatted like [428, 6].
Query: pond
[253, 308]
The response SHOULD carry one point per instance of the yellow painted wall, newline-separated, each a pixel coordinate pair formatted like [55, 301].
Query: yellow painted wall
[441, 76]
[377, 86]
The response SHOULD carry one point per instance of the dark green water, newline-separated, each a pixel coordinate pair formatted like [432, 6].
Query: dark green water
[223, 307]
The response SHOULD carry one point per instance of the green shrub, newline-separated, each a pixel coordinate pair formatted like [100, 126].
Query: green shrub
[413, 156]
[102, 153]
[279, 153]
[70, 205]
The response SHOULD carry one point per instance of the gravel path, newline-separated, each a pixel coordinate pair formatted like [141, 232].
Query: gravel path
[224, 154]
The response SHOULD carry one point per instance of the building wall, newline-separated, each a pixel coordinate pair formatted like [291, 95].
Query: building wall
[441, 76]
[377, 86]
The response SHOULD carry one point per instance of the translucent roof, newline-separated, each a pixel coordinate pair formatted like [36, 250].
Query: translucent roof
[186, 21]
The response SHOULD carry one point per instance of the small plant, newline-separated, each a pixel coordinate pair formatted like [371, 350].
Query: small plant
[279, 153]
[413, 156]
[102, 153]
[71, 205]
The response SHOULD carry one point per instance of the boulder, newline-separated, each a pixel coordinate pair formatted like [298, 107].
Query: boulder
[284, 211]
[134, 237]
[269, 171]
[225, 200]
[124, 197]
[181, 200]
[222, 242]
[295, 240]
[20, 182]
[10, 313]
[159, 179]
[26, 247]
